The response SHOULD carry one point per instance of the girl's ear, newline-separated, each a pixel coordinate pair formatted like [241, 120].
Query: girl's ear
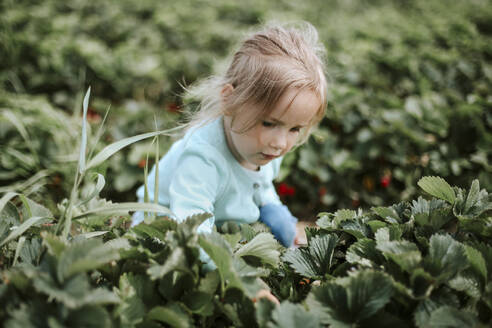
[225, 92]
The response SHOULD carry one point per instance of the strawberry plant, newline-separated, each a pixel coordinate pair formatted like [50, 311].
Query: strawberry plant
[425, 263]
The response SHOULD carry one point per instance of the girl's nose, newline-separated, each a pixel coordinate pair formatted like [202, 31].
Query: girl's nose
[279, 141]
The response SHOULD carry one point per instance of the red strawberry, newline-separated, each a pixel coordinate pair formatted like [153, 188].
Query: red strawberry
[385, 180]
[284, 189]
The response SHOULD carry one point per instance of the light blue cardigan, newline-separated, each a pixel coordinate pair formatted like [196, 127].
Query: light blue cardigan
[200, 174]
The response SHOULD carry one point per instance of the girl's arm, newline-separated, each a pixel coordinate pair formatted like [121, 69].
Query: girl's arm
[197, 182]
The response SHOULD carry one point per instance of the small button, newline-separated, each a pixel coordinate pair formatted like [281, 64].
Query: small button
[256, 185]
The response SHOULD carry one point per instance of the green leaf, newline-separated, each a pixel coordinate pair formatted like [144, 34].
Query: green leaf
[315, 260]
[83, 142]
[156, 177]
[448, 317]
[171, 314]
[446, 257]
[264, 310]
[406, 254]
[233, 239]
[91, 234]
[356, 227]
[113, 148]
[434, 213]
[74, 292]
[473, 196]
[390, 233]
[486, 252]
[156, 229]
[175, 261]
[477, 262]
[326, 221]
[89, 316]
[247, 232]
[238, 308]
[364, 252]
[264, 247]
[477, 202]
[421, 282]
[288, 315]
[487, 296]
[197, 301]
[97, 189]
[126, 207]
[210, 282]
[55, 244]
[388, 214]
[19, 125]
[423, 312]
[31, 252]
[26, 316]
[31, 208]
[437, 187]
[131, 309]
[342, 215]
[219, 251]
[88, 254]
[376, 224]
[6, 198]
[467, 282]
[20, 245]
[352, 299]
[17, 231]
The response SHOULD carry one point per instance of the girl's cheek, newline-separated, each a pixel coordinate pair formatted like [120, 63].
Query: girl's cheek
[292, 141]
[263, 135]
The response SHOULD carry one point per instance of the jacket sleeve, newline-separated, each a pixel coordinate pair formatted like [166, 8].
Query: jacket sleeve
[269, 194]
[197, 182]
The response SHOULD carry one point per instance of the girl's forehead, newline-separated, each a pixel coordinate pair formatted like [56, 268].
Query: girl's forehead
[296, 107]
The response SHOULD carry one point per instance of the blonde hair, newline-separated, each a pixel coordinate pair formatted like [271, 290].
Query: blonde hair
[266, 65]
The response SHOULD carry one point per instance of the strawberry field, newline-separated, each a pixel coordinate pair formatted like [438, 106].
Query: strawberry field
[396, 180]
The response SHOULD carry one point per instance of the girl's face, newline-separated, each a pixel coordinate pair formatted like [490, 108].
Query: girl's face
[274, 135]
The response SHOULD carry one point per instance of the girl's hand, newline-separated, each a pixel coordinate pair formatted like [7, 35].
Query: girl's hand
[264, 293]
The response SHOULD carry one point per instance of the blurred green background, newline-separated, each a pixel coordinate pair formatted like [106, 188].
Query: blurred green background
[410, 91]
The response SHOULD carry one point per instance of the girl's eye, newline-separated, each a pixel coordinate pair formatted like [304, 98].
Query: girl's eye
[267, 124]
[296, 129]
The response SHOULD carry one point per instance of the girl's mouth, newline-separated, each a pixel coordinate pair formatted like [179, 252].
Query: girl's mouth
[269, 157]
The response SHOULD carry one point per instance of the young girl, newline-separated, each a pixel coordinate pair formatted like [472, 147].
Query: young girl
[271, 97]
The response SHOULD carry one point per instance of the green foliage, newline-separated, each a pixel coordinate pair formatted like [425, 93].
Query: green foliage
[315, 260]
[390, 266]
[408, 92]
[438, 188]
[352, 299]
[408, 97]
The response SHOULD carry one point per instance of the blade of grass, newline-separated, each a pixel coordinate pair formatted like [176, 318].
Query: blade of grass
[20, 244]
[99, 186]
[66, 218]
[5, 199]
[156, 177]
[26, 205]
[125, 207]
[21, 186]
[146, 189]
[22, 228]
[99, 132]
[111, 149]
[17, 122]
[92, 234]
[83, 143]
